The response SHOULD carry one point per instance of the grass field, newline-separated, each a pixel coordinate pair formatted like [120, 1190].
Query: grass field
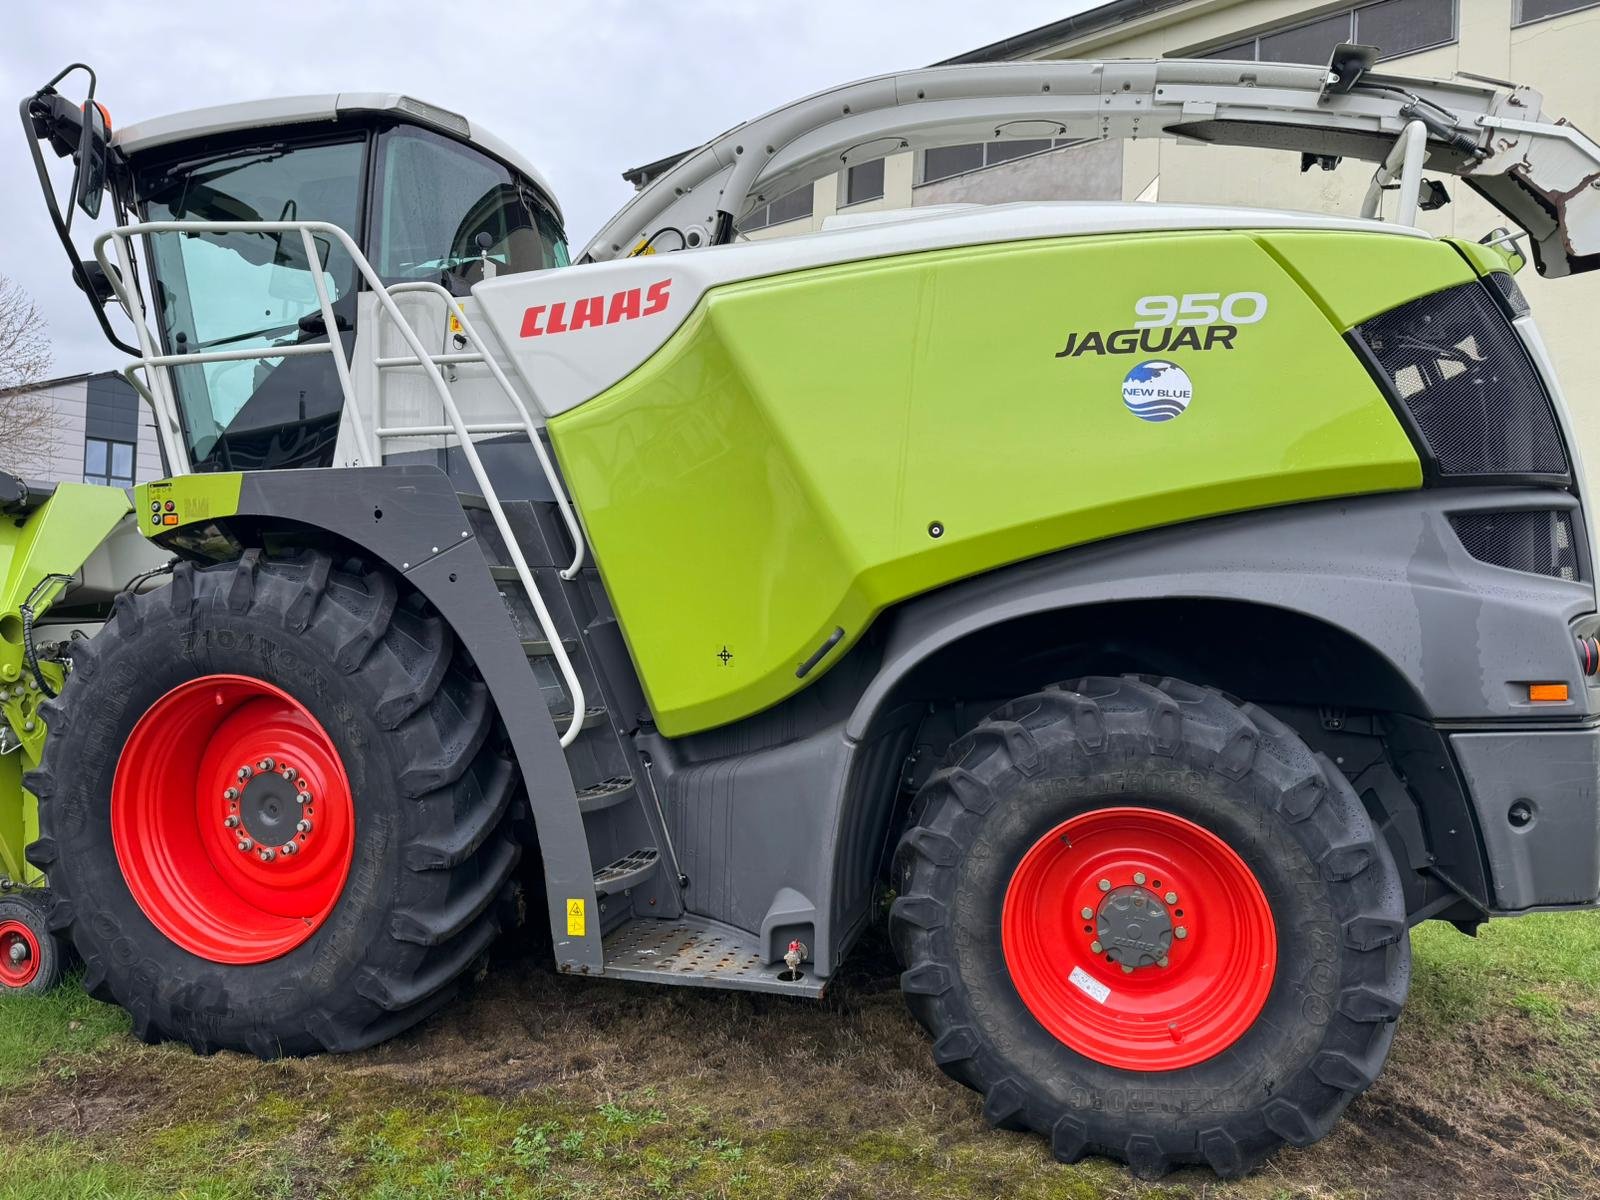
[543, 1086]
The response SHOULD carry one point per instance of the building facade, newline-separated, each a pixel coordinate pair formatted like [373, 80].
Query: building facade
[1551, 45]
[101, 433]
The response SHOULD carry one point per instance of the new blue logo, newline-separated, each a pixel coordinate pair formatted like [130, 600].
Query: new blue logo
[1157, 390]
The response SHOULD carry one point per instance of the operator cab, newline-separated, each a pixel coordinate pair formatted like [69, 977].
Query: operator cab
[423, 193]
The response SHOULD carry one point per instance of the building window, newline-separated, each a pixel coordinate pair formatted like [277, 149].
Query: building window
[791, 206]
[1528, 11]
[108, 463]
[944, 162]
[1395, 27]
[864, 182]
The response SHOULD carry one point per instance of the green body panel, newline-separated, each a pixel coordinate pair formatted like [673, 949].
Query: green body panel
[1488, 259]
[192, 498]
[1357, 276]
[54, 539]
[771, 474]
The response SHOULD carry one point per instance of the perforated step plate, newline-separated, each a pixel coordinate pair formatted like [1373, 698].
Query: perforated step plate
[694, 952]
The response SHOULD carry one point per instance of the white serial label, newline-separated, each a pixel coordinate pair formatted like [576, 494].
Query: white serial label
[1088, 985]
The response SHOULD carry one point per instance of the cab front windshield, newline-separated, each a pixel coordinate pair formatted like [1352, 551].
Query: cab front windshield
[444, 212]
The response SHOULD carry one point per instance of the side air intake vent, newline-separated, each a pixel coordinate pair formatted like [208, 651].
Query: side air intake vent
[1475, 400]
[1539, 540]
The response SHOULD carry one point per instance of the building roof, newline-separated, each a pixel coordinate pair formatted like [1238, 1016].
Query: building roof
[1094, 20]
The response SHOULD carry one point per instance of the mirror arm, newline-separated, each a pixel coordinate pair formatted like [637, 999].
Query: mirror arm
[63, 229]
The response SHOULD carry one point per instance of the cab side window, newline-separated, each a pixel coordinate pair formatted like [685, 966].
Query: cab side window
[448, 214]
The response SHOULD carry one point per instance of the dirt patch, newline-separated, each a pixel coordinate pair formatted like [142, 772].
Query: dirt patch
[846, 1090]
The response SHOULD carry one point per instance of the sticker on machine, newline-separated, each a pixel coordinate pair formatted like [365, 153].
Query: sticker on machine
[1157, 390]
[1089, 985]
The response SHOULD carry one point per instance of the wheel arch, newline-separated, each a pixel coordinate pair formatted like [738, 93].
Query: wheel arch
[411, 520]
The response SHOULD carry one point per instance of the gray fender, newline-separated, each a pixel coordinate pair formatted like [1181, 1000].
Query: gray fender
[1389, 570]
[411, 519]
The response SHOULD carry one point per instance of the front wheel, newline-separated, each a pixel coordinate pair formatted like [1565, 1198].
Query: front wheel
[1152, 924]
[274, 810]
[31, 959]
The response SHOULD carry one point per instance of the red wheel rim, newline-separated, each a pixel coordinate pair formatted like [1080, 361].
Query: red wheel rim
[19, 955]
[232, 819]
[1164, 896]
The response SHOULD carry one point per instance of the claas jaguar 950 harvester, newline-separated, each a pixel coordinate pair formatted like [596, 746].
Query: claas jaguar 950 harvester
[1169, 605]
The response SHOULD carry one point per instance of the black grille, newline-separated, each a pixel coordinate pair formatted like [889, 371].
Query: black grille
[1456, 364]
[1539, 540]
[1515, 302]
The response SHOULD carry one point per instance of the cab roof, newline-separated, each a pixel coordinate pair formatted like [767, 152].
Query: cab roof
[306, 110]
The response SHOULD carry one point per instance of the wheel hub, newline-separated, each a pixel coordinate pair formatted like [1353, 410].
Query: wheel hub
[268, 809]
[1139, 938]
[19, 955]
[1133, 928]
[233, 819]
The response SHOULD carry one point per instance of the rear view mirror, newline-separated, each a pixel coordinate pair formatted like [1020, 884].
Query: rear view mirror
[90, 176]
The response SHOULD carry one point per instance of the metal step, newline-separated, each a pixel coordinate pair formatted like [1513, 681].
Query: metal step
[696, 952]
[539, 648]
[606, 794]
[591, 717]
[626, 872]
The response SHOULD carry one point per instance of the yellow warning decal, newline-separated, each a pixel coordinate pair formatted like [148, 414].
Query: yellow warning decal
[644, 247]
[455, 322]
[576, 924]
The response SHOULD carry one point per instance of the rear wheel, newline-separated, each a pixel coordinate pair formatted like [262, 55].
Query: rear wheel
[31, 959]
[274, 809]
[1151, 924]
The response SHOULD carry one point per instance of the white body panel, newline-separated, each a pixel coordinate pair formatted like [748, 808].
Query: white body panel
[571, 365]
[307, 110]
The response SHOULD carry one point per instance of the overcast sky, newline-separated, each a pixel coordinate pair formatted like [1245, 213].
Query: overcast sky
[585, 90]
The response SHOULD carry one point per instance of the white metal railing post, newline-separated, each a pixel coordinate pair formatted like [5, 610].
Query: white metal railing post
[150, 359]
[530, 426]
[336, 344]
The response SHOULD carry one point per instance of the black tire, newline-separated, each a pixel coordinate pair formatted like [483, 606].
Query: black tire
[1343, 955]
[42, 970]
[431, 880]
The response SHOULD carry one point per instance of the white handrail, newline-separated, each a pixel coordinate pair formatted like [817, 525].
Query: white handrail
[529, 424]
[150, 357]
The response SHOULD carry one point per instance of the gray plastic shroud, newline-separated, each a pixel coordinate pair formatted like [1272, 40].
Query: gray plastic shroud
[1537, 796]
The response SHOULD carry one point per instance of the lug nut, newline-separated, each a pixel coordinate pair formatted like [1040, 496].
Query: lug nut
[303, 826]
[1105, 885]
[304, 797]
[231, 794]
[1180, 933]
[289, 773]
[266, 764]
[268, 854]
[246, 845]
[1095, 947]
[1162, 961]
[289, 848]
[1087, 912]
[244, 772]
[230, 822]
[1126, 969]
[1172, 897]
[1138, 877]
